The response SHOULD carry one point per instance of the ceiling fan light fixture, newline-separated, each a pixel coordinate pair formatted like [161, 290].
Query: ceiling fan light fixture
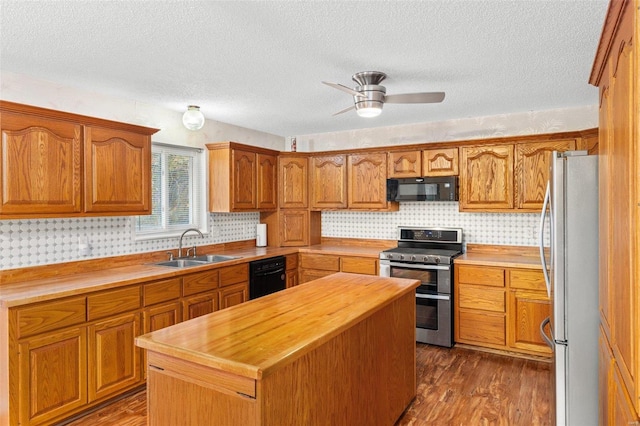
[369, 109]
[193, 119]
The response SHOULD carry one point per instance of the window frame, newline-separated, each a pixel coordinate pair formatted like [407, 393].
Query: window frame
[199, 191]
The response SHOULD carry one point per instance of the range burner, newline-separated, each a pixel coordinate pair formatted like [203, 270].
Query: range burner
[426, 245]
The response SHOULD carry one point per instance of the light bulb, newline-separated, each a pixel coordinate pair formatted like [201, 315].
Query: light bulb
[193, 119]
[369, 111]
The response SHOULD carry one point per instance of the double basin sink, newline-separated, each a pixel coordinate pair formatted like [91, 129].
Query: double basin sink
[196, 261]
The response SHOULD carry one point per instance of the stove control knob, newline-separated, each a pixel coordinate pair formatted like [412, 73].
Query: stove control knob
[436, 259]
[389, 256]
[402, 257]
[425, 259]
[413, 257]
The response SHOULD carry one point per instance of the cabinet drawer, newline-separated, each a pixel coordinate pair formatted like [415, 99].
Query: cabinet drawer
[113, 302]
[528, 279]
[234, 274]
[481, 275]
[478, 297]
[359, 265]
[50, 316]
[482, 327]
[161, 291]
[307, 275]
[320, 261]
[198, 283]
[292, 262]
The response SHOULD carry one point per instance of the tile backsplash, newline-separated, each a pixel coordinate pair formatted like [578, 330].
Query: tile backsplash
[35, 242]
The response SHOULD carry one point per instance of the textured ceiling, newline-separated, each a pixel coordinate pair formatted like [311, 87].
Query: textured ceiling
[259, 64]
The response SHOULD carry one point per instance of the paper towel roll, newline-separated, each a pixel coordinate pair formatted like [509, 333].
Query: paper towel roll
[261, 235]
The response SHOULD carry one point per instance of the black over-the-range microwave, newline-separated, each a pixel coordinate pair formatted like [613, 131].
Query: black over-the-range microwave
[441, 188]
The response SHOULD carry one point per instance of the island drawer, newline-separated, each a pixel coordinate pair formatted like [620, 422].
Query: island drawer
[480, 275]
[200, 282]
[212, 378]
[161, 291]
[113, 302]
[528, 279]
[324, 262]
[234, 274]
[50, 316]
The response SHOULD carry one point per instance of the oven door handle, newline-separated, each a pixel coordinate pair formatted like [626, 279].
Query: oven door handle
[416, 266]
[433, 296]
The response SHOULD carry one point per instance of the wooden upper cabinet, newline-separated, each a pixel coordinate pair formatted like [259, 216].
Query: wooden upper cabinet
[242, 178]
[440, 162]
[367, 181]
[57, 164]
[294, 181]
[532, 170]
[40, 163]
[117, 166]
[329, 182]
[486, 177]
[405, 164]
[244, 182]
[267, 181]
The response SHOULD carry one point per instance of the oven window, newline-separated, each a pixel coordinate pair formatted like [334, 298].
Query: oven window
[427, 313]
[428, 278]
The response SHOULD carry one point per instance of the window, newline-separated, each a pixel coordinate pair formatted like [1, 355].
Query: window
[177, 193]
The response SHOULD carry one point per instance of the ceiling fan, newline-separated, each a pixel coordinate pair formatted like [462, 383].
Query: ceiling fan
[369, 96]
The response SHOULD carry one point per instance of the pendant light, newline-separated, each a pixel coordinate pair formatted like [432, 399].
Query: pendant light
[193, 119]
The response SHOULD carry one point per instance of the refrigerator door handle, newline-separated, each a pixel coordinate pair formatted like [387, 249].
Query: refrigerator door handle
[548, 340]
[543, 260]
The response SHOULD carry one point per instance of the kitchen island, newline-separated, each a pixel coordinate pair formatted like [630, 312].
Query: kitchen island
[338, 350]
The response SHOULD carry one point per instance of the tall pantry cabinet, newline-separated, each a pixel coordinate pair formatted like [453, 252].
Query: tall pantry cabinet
[616, 72]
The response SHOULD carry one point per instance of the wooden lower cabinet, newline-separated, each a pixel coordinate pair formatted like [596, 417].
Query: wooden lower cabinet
[500, 308]
[233, 295]
[198, 305]
[292, 270]
[113, 359]
[52, 379]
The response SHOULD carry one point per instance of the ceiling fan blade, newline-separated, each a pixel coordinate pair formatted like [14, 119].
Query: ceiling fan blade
[345, 110]
[415, 98]
[344, 89]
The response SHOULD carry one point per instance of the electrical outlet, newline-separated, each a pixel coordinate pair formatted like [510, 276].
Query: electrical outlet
[215, 231]
[84, 248]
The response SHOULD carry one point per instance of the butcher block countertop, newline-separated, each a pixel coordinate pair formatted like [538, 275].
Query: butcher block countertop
[524, 257]
[255, 338]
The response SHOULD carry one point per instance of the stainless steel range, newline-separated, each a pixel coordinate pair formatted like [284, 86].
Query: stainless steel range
[427, 254]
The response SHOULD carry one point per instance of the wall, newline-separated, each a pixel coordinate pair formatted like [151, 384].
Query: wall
[46, 241]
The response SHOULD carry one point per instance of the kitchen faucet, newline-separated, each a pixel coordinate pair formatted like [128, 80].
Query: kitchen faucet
[182, 236]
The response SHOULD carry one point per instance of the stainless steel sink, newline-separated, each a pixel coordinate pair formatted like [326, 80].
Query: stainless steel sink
[213, 258]
[205, 259]
[181, 263]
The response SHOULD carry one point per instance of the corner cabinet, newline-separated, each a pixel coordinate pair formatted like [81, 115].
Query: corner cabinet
[56, 164]
[242, 178]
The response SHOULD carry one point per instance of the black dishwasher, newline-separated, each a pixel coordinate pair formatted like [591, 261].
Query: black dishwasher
[267, 276]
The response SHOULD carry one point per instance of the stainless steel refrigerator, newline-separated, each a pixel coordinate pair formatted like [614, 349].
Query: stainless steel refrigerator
[571, 272]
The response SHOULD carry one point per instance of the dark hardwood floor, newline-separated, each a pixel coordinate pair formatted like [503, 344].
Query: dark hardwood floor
[456, 386]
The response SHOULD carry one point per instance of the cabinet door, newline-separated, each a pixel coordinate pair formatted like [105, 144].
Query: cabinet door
[294, 181]
[527, 309]
[532, 170]
[52, 375]
[117, 171]
[405, 164]
[295, 228]
[234, 295]
[202, 304]
[292, 278]
[486, 178]
[40, 166]
[114, 359]
[161, 316]
[440, 162]
[243, 188]
[267, 183]
[367, 181]
[328, 182]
